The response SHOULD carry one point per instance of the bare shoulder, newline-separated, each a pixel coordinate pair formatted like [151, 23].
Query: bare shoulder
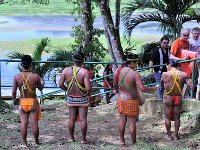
[17, 76]
[135, 73]
[84, 70]
[166, 76]
[182, 74]
[35, 75]
[67, 69]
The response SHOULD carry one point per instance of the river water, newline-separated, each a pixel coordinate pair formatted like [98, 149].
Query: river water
[55, 26]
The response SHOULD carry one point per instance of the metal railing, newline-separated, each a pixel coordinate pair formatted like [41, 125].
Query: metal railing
[97, 79]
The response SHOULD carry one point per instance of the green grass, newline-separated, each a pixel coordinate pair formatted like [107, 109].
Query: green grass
[60, 7]
[54, 7]
[15, 7]
[28, 46]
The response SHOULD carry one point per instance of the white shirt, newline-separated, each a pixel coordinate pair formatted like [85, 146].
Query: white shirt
[195, 45]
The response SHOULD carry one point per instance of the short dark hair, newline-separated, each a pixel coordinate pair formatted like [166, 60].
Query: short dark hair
[196, 29]
[173, 62]
[164, 38]
[78, 57]
[26, 61]
[131, 58]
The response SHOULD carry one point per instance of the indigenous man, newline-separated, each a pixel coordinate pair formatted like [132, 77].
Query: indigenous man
[27, 82]
[173, 82]
[78, 91]
[128, 104]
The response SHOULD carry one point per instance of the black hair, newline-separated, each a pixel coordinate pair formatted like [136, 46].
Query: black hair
[173, 62]
[131, 58]
[78, 57]
[164, 38]
[107, 67]
[26, 61]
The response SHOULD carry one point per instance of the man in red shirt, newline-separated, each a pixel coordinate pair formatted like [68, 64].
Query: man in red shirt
[180, 44]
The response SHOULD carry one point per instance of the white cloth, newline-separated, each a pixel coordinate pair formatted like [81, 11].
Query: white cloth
[195, 46]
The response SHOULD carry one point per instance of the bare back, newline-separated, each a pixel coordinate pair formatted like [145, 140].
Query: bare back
[33, 83]
[130, 80]
[168, 80]
[82, 77]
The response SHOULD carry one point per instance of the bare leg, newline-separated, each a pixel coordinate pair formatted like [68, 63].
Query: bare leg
[132, 129]
[121, 127]
[111, 95]
[168, 116]
[24, 124]
[168, 128]
[71, 123]
[34, 123]
[176, 121]
[83, 123]
[107, 98]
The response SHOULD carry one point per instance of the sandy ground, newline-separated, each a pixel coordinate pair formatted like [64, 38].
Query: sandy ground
[102, 130]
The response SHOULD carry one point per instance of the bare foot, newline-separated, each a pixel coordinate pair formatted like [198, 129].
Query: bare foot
[176, 137]
[168, 137]
[121, 142]
[71, 140]
[37, 142]
[24, 143]
[84, 142]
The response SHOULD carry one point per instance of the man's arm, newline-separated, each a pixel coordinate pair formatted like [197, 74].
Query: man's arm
[105, 79]
[165, 77]
[172, 56]
[62, 81]
[115, 81]
[141, 86]
[151, 69]
[40, 83]
[189, 83]
[87, 83]
[14, 91]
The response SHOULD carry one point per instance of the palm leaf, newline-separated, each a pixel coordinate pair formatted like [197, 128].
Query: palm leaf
[40, 48]
[58, 55]
[14, 55]
[170, 14]
[144, 18]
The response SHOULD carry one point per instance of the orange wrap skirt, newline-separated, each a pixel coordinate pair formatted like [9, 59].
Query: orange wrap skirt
[27, 103]
[128, 107]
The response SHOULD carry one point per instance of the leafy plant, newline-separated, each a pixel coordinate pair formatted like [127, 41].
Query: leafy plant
[171, 14]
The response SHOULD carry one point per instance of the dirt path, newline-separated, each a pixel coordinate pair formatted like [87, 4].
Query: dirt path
[102, 131]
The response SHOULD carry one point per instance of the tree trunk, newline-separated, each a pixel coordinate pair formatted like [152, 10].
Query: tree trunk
[87, 23]
[111, 33]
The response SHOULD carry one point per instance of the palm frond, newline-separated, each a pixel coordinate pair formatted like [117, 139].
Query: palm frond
[170, 13]
[60, 55]
[14, 55]
[144, 18]
[37, 54]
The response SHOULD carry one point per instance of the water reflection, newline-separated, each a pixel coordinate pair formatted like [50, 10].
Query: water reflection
[29, 34]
